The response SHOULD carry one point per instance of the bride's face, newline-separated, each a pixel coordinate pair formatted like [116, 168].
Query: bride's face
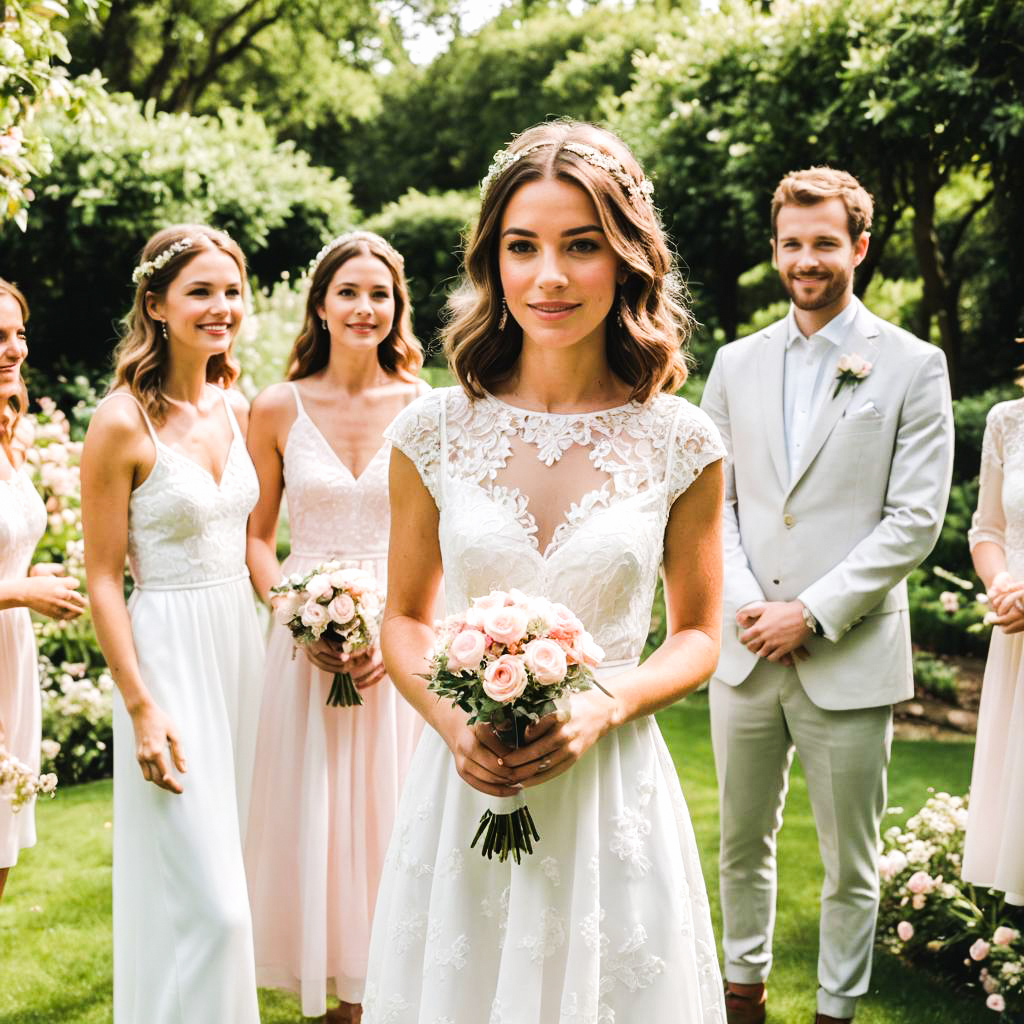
[13, 348]
[558, 270]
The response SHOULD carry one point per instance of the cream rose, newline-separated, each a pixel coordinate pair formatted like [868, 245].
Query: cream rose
[505, 625]
[314, 615]
[319, 585]
[285, 607]
[505, 679]
[564, 622]
[342, 609]
[1004, 936]
[546, 660]
[592, 652]
[466, 650]
[495, 599]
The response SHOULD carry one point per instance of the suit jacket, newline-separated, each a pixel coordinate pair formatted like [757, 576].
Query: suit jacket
[863, 508]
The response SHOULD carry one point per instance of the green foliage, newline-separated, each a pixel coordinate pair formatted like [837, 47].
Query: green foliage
[936, 676]
[268, 333]
[125, 172]
[428, 231]
[935, 626]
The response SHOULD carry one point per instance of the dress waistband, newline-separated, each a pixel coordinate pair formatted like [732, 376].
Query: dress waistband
[607, 669]
[199, 585]
[333, 556]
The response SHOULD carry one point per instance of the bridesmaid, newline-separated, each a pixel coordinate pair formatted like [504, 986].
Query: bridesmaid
[166, 480]
[45, 589]
[994, 847]
[327, 779]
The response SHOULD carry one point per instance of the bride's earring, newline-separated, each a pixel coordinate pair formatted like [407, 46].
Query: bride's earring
[503, 319]
[163, 329]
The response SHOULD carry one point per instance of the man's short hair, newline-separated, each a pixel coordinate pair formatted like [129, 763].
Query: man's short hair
[816, 185]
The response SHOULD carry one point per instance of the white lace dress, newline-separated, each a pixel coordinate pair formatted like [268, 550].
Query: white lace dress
[182, 930]
[994, 848]
[608, 920]
[327, 779]
[22, 522]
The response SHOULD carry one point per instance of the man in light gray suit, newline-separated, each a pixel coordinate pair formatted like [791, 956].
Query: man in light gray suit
[840, 438]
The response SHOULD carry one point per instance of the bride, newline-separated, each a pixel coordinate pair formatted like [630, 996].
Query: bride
[562, 466]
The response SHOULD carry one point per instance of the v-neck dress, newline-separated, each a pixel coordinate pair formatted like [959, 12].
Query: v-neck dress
[182, 930]
[327, 779]
[608, 919]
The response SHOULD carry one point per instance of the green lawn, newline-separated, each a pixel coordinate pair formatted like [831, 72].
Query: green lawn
[55, 918]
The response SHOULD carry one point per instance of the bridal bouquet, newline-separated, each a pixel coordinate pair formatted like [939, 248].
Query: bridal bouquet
[508, 660]
[19, 784]
[343, 603]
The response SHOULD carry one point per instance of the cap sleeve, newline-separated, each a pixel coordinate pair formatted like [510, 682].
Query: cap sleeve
[989, 520]
[697, 443]
[416, 434]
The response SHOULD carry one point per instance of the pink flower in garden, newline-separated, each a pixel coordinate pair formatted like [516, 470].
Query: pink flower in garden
[979, 950]
[919, 901]
[546, 660]
[996, 1002]
[341, 609]
[920, 882]
[1004, 936]
[505, 679]
[506, 625]
[988, 983]
[905, 930]
[466, 649]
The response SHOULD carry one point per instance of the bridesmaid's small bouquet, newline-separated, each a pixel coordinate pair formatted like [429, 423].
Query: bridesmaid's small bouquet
[19, 784]
[343, 603]
[508, 660]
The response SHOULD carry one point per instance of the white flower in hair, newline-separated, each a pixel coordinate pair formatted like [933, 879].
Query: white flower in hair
[160, 260]
[349, 236]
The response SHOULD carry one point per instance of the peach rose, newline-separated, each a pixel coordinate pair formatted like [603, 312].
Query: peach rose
[319, 585]
[342, 609]
[466, 650]
[314, 615]
[505, 679]
[495, 599]
[546, 660]
[593, 653]
[506, 625]
[564, 622]
[979, 950]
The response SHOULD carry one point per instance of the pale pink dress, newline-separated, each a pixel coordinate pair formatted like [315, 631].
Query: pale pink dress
[994, 847]
[327, 779]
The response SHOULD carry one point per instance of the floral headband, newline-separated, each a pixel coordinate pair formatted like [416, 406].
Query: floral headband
[161, 259]
[350, 236]
[638, 191]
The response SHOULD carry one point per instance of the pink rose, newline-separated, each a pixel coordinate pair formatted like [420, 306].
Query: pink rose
[996, 1002]
[1004, 936]
[988, 983]
[593, 654]
[319, 585]
[920, 881]
[286, 606]
[314, 615]
[565, 623]
[505, 679]
[979, 950]
[495, 599]
[466, 650]
[506, 625]
[342, 609]
[905, 930]
[546, 660]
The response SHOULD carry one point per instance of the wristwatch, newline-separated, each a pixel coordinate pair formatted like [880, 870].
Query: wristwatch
[811, 622]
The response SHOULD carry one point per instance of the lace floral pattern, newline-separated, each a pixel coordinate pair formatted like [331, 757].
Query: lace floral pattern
[1000, 514]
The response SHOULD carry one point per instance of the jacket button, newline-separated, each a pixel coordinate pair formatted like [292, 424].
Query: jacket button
[788, 520]
[776, 582]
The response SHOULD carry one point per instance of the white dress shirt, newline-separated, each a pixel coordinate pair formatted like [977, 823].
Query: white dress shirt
[809, 374]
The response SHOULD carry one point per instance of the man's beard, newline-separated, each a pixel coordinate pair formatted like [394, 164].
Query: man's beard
[834, 290]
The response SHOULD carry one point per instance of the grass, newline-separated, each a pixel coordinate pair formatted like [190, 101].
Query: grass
[55, 959]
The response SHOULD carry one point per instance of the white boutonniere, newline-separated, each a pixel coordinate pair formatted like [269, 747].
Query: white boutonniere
[851, 370]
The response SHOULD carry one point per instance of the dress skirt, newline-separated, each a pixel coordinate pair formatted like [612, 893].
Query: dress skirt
[325, 791]
[182, 928]
[994, 848]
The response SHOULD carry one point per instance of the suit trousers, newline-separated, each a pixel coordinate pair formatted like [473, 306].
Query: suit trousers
[755, 728]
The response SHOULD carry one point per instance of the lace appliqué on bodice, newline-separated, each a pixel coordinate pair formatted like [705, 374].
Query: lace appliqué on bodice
[331, 512]
[22, 522]
[616, 472]
[1000, 514]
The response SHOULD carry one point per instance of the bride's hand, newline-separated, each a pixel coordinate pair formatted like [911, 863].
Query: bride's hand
[559, 740]
[479, 754]
[155, 734]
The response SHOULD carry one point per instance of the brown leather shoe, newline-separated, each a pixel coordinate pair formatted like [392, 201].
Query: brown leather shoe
[745, 1004]
[824, 1018]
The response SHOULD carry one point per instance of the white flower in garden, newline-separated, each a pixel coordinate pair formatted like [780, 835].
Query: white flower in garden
[950, 601]
[920, 882]
[49, 749]
[1010, 971]
[919, 901]
[996, 1002]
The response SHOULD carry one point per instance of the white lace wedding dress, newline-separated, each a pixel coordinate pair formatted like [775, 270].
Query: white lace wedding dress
[608, 920]
[182, 931]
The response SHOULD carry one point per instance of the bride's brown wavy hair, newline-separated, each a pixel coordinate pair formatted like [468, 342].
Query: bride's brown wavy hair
[140, 359]
[399, 353]
[647, 348]
[15, 406]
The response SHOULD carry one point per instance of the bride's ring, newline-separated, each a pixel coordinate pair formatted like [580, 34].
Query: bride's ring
[543, 766]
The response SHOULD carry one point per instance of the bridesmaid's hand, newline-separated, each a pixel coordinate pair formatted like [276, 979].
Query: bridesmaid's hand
[154, 735]
[556, 742]
[365, 668]
[325, 656]
[54, 596]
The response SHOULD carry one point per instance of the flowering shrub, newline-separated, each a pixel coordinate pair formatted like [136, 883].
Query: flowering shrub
[930, 915]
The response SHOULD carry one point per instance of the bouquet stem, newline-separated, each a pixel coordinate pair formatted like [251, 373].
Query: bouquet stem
[343, 692]
[506, 834]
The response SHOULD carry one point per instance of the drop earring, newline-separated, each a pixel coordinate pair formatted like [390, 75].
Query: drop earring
[324, 323]
[163, 328]
[503, 319]
[618, 311]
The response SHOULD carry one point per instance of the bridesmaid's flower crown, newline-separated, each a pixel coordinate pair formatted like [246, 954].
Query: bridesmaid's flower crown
[161, 259]
[350, 236]
[641, 191]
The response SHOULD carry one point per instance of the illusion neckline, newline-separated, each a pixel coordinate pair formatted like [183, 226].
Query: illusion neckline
[519, 410]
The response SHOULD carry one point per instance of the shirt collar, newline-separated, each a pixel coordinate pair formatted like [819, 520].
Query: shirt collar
[834, 331]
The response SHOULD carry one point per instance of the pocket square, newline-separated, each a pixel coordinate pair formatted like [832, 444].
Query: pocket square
[867, 411]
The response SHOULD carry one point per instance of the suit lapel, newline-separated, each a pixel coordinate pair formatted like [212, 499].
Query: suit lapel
[862, 341]
[769, 382]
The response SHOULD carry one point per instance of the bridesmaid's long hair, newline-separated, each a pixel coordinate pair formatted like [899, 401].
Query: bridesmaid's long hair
[646, 330]
[15, 406]
[140, 359]
[399, 353]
